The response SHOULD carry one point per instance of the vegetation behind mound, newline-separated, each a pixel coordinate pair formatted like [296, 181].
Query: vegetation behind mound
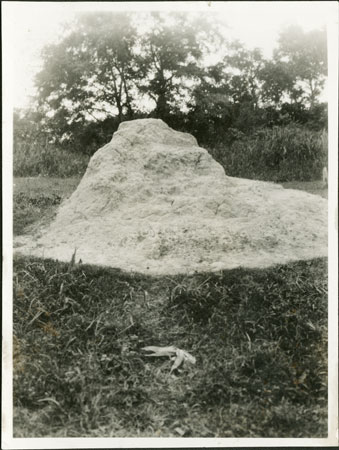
[260, 116]
[32, 159]
[281, 153]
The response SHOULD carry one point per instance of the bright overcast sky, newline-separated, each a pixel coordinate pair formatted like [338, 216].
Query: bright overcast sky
[28, 26]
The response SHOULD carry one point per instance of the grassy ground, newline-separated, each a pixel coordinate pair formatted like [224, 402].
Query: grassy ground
[37, 198]
[313, 187]
[259, 336]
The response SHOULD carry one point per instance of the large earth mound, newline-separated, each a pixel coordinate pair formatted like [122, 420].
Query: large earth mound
[153, 201]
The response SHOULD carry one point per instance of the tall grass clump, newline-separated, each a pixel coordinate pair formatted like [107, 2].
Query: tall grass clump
[37, 159]
[281, 153]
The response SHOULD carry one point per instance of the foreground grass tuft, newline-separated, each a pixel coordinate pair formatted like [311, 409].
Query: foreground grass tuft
[259, 336]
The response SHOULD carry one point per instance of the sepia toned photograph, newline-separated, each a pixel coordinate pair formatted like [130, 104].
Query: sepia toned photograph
[168, 174]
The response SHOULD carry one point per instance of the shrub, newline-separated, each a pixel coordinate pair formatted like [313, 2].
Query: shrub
[283, 153]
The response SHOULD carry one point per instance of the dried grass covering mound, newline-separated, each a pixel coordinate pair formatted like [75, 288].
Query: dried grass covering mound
[153, 201]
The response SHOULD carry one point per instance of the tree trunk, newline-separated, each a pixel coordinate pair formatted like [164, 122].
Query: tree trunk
[120, 113]
[130, 112]
[312, 94]
[162, 107]
[117, 95]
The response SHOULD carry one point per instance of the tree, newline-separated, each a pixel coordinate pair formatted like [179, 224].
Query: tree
[120, 66]
[244, 67]
[169, 51]
[210, 107]
[277, 82]
[92, 70]
[305, 58]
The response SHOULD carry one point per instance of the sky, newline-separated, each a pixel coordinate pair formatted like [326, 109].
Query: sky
[29, 26]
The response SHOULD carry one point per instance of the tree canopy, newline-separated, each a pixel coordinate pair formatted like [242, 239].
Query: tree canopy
[117, 66]
[92, 69]
[305, 58]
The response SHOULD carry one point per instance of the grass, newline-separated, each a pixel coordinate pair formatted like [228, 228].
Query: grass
[280, 154]
[313, 187]
[37, 198]
[259, 336]
[37, 159]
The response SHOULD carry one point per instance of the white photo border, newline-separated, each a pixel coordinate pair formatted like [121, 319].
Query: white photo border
[8, 442]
